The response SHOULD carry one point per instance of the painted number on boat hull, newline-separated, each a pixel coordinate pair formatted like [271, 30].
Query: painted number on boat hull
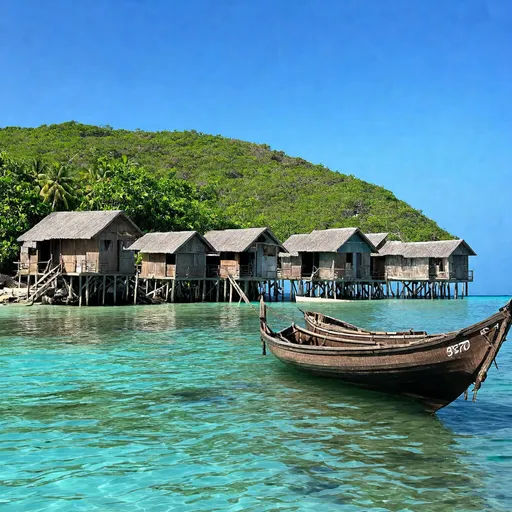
[458, 348]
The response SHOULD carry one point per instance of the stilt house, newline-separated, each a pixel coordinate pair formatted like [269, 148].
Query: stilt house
[440, 260]
[82, 242]
[173, 254]
[330, 254]
[246, 253]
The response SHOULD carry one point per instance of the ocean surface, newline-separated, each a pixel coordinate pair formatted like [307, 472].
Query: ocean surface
[173, 407]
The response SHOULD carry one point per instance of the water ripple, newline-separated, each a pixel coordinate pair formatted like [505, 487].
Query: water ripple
[173, 408]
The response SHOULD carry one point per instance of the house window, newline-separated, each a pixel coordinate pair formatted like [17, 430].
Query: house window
[228, 256]
[350, 258]
[170, 259]
[439, 262]
[32, 251]
[107, 244]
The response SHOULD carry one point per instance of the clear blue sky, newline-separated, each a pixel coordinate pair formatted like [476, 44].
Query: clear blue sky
[414, 95]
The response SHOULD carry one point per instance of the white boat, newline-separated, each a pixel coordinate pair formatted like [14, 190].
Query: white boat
[303, 298]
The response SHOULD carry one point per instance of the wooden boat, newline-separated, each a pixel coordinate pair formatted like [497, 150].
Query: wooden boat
[434, 369]
[327, 325]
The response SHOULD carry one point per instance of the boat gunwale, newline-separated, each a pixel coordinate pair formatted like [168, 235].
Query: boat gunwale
[428, 343]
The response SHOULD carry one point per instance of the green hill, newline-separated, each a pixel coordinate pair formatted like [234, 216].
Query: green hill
[255, 184]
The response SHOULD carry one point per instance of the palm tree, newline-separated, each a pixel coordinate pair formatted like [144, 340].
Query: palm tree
[57, 185]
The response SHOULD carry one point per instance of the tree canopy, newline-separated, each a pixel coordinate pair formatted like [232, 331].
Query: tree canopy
[189, 180]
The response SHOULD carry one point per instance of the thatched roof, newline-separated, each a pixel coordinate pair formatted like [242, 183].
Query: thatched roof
[326, 240]
[377, 239]
[73, 225]
[294, 244]
[437, 249]
[166, 243]
[239, 240]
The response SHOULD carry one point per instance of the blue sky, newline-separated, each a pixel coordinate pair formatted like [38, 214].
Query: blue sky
[413, 95]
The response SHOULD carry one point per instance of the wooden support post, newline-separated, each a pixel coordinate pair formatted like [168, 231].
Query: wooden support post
[80, 290]
[87, 291]
[173, 289]
[135, 289]
[104, 289]
[167, 291]
[115, 289]
[225, 289]
[217, 290]
[203, 298]
[456, 290]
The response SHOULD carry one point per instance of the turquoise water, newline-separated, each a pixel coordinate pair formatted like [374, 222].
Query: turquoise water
[173, 408]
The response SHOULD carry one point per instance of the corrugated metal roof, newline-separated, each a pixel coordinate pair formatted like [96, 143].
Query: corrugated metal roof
[326, 240]
[437, 249]
[166, 243]
[72, 225]
[237, 240]
[377, 239]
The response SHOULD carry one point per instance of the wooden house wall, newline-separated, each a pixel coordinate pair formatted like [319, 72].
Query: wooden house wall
[265, 265]
[398, 267]
[29, 261]
[378, 267]
[458, 266]
[229, 266]
[366, 272]
[112, 258]
[191, 259]
[77, 255]
[153, 265]
[291, 267]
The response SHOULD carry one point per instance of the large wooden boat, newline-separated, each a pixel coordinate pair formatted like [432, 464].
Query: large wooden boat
[435, 369]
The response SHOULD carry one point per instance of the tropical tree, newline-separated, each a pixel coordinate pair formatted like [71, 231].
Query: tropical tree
[20, 208]
[57, 185]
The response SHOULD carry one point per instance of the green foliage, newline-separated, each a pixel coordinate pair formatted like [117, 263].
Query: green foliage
[57, 185]
[188, 180]
[154, 204]
[20, 207]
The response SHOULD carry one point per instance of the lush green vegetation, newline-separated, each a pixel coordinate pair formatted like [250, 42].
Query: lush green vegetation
[31, 189]
[181, 180]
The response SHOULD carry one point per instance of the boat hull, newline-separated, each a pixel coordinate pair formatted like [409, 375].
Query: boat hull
[436, 370]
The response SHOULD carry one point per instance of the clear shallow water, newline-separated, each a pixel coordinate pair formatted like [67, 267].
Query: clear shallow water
[173, 408]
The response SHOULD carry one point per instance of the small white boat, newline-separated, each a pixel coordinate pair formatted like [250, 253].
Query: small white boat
[303, 298]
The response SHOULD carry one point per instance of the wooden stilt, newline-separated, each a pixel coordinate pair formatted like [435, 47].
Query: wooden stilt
[217, 290]
[173, 289]
[87, 290]
[115, 289]
[104, 290]
[80, 290]
[135, 289]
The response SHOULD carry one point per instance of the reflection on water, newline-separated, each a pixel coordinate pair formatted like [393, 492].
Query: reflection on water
[147, 408]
